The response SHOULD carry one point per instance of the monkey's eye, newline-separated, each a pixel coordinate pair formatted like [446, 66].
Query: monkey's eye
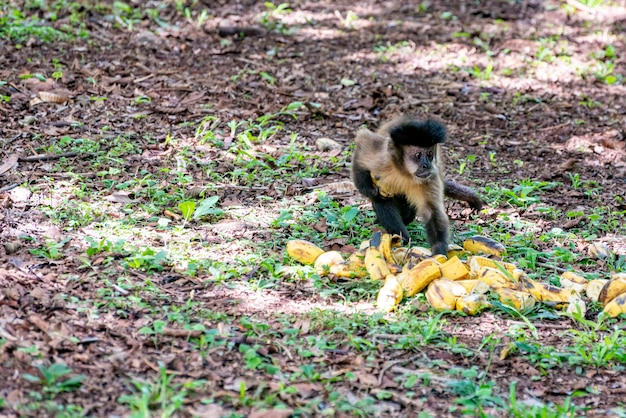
[430, 155]
[418, 155]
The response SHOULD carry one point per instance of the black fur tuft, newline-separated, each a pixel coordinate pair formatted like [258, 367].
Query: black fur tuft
[423, 134]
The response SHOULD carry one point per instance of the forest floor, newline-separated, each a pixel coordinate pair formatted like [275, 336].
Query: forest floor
[119, 123]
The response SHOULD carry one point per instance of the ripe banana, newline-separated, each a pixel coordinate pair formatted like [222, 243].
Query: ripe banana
[616, 306]
[454, 269]
[454, 249]
[493, 277]
[472, 303]
[476, 262]
[613, 288]
[594, 287]
[573, 281]
[420, 276]
[545, 292]
[302, 251]
[325, 261]
[443, 293]
[474, 286]
[518, 299]
[387, 243]
[349, 269]
[375, 264]
[390, 294]
[479, 244]
[416, 255]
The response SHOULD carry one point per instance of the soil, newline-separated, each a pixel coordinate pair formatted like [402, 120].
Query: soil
[541, 120]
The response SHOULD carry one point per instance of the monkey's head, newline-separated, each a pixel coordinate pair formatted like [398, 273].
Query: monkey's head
[415, 145]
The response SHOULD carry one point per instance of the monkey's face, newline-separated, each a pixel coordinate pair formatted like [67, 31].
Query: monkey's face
[421, 162]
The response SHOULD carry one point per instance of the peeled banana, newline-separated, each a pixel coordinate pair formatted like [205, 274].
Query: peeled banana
[375, 264]
[303, 251]
[390, 294]
[594, 287]
[613, 288]
[616, 307]
[476, 262]
[420, 276]
[577, 305]
[443, 293]
[325, 261]
[479, 244]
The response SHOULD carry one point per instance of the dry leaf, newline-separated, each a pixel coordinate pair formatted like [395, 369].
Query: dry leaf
[8, 164]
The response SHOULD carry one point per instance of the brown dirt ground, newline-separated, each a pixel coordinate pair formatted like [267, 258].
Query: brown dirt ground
[184, 68]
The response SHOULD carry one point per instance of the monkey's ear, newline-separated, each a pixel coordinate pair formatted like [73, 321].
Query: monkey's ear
[423, 134]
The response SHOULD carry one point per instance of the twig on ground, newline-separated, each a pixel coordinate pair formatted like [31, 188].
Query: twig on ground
[48, 157]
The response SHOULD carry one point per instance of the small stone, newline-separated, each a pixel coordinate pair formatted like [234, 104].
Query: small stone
[327, 144]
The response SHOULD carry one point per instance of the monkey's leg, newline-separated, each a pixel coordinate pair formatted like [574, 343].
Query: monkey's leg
[437, 230]
[408, 212]
[389, 217]
[457, 191]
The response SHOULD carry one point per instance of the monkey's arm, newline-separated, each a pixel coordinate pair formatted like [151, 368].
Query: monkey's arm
[457, 191]
[390, 218]
[363, 181]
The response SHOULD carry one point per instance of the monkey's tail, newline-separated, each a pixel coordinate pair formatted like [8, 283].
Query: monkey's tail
[425, 134]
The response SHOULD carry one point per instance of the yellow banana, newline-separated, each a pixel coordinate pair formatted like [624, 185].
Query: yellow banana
[349, 269]
[440, 258]
[390, 294]
[302, 251]
[479, 244]
[614, 287]
[399, 254]
[325, 261]
[387, 243]
[594, 287]
[474, 286]
[476, 262]
[454, 249]
[454, 269]
[545, 292]
[616, 307]
[493, 277]
[420, 276]
[472, 303]
[375, 264]
[443, 293]
[518, 299]
[573, 281]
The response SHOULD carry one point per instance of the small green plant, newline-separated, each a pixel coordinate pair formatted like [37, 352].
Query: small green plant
[52, 380]
[147, 260]
[271, 18]
[464, 162]
[481, 74]
[51, 249]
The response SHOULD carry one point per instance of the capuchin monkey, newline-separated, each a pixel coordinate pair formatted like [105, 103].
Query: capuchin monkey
[400, 170]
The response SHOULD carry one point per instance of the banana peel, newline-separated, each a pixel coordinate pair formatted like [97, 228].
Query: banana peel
[616, 307]
[479, 244]
[454, 269]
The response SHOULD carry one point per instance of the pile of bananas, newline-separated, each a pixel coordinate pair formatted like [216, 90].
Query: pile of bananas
[452, 283]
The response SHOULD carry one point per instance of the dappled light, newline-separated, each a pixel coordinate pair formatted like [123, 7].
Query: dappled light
[157, 157]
